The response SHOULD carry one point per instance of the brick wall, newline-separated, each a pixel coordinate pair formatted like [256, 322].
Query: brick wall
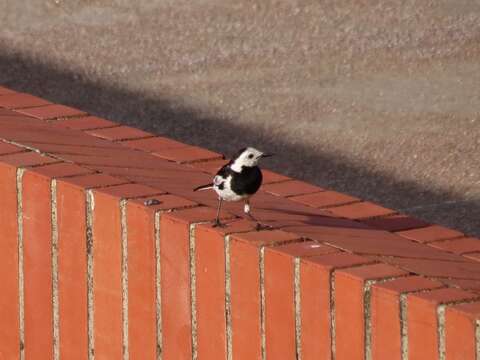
[91, 271]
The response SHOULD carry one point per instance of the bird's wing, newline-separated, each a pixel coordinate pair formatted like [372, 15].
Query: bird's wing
[221, 175]
[218, 179]
[225, 170]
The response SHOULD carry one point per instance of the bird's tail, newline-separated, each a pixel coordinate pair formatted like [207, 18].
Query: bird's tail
[203, 187]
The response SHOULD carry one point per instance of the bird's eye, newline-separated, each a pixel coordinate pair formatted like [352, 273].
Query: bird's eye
[250, 156]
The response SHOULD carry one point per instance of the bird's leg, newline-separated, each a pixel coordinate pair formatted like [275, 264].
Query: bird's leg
[246, 210]
[217, 219]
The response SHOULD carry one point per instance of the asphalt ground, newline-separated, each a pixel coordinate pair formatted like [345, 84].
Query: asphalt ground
[378, 99]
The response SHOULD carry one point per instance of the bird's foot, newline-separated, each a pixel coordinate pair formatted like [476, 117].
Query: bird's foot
[219, 224]
[259, 227]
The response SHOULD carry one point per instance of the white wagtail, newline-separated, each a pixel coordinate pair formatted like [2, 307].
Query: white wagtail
[238, 180]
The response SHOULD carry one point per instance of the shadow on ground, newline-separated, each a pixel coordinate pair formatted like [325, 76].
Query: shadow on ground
[164, 116]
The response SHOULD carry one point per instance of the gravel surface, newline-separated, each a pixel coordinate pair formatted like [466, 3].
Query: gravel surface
[379, 99]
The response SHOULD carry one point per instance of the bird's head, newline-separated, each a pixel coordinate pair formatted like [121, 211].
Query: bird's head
[247, 157]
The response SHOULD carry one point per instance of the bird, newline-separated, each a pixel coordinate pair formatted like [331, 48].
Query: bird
[238, 180]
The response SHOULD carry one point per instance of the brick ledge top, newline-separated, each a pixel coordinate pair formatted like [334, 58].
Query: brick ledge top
[62, 142]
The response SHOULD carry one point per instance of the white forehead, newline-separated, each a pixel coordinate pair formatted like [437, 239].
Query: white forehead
[251, 150]
[249, 157]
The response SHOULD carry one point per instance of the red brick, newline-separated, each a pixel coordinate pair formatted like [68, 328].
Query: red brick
[79, 151]
[338, 260]
[10, 116]
[53, 111]
[176, 321]
[350, 307]
[9, 334]
[175, 275]
[245, 300]
[234, 226]
[364, 240]
[128, 191]
[109, 160]
[210, 293]
[40, 133]
[120, 165]
[94, 180]
[280, 212]
[211, 166]
[423, 323]
[272, 177]
[457, 267]
[461, 323]
[21, 100]
[84, 123]
[72, 299]
[9, 149]
[6, 91]
[61, 170]
[279, 305]
[463, 284]
[395, 223]
[161, 177]
[315, 280]
[210, 284]
[473, 256]
[29, 158]
[306, 249]
[361, 210]
[245, 286]
[154, 144]
[385, 313]
[107, 276]
[142, 328]
[324, 199]
[290, 188]
[315, 311]
[403, 285]
[166, 202]
[37, 249]
[270, 237]
[430, 233]
[119, 133]
[440, 296]
[187, 154]
[72, 270]
[458, 246]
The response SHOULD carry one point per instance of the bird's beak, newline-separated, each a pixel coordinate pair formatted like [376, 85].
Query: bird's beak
[266, 155]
